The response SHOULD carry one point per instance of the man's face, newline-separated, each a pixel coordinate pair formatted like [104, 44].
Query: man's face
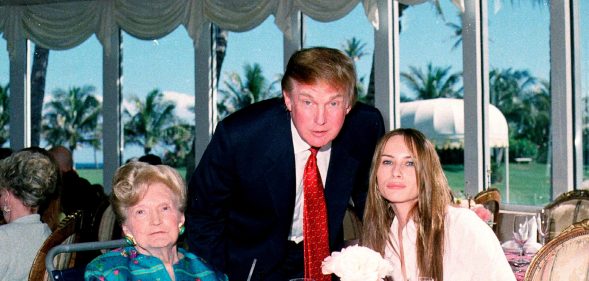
[318, 111]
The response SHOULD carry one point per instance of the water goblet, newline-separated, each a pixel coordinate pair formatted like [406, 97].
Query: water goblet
[521, 234]
[542, 218]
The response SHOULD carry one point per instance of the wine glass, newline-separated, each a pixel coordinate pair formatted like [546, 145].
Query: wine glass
[542, 218]
[521, 234]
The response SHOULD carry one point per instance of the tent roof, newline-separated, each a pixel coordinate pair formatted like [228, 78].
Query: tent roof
[442, 121]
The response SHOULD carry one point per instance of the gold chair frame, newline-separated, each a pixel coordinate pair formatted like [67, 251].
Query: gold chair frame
[66, 232]
[579, 195]
[491, 199]
[573, 231]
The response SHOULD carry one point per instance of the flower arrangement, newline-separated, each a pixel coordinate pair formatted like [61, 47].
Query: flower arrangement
[483, 213]
[357, 263]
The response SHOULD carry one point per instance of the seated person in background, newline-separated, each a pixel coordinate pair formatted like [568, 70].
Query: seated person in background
[409, 218]
[149, 201]
[4, 152]
[151, 159]
[27, 178]
[77, 192]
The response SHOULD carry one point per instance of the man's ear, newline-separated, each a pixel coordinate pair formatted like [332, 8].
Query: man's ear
[287, 100]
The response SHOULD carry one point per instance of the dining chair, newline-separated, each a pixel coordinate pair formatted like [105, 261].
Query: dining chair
[568, 208]
[491, 200]
[77, 272]
[67, 232]
[564, 258]
[108, 228]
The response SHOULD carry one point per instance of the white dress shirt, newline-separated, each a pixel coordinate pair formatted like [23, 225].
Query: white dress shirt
[471, 251]
[302, 153]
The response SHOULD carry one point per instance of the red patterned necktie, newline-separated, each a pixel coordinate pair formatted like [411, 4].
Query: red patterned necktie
[316, 237]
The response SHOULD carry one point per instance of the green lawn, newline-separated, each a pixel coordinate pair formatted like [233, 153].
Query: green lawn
[529, 183]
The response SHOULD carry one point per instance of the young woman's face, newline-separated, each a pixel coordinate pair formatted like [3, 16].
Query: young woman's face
[396, 177]
[154, 221]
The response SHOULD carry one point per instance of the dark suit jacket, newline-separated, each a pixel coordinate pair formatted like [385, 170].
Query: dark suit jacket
[242, 193]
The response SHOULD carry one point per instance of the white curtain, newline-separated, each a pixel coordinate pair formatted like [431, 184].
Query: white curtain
[66, 25]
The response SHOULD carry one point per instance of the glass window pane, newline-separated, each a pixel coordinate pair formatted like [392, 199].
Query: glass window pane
[352, 34]
[4, 92]
[158, 98]
[73, 80]
[584, 34]
[431, 74]
[251, 68]
[519, 65]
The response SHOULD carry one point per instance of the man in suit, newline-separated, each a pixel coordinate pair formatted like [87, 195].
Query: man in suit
[246, 195]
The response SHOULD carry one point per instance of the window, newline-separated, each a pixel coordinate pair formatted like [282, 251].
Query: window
[584, 34]
[519, 65]
[352, 34]
[73, 86]
[431, 70]
[251, 69]
[4, 92]
[158, 97]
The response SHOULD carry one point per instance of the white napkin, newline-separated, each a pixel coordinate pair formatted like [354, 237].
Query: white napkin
[531, 245]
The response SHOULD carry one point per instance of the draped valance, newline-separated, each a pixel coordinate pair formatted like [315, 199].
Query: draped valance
[67, 24]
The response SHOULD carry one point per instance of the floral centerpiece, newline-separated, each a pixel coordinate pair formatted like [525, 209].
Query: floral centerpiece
[357, 263]
[483, 213]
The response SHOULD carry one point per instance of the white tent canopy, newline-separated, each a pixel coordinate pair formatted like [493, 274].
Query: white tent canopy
[442, 121]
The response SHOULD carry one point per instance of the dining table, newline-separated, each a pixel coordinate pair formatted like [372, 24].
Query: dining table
[519, 269]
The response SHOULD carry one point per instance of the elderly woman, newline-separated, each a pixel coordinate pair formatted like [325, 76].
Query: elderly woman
[410, 220]
[149, 202]
[27, 179]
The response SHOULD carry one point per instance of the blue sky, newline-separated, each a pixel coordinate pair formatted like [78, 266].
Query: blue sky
[518, 35]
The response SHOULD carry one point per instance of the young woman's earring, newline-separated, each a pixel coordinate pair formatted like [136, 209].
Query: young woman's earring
[181, 229]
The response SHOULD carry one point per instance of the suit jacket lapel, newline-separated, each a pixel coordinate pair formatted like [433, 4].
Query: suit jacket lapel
[339, 183]
[280, 172]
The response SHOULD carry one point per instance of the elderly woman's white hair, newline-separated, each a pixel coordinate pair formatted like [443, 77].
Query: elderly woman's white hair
[30, 176]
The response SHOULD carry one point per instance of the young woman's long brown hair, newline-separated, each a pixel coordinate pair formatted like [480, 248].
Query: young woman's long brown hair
[434, 196]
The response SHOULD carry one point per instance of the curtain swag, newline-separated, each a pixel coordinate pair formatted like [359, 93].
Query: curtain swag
[65, 25]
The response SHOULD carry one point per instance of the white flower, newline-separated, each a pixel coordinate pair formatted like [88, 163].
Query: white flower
[357, 263]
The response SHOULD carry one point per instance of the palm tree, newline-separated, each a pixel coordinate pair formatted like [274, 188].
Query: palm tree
[72, 117]
[242, 92]
[179, 137]
[147, 125]
[436, 82]
[507, 91]
[355, 49]
[4, 114]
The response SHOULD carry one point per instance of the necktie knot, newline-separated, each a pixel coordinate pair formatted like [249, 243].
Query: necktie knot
[314, 150]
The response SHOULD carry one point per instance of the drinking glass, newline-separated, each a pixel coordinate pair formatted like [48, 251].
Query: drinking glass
[521, 233]
[542, 222]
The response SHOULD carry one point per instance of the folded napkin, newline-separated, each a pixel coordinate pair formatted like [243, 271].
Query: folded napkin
[531, 245]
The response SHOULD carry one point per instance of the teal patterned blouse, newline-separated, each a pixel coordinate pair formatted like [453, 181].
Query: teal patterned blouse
[128, 264]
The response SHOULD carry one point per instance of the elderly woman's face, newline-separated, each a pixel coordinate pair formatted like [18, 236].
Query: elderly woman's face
[154, 221]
